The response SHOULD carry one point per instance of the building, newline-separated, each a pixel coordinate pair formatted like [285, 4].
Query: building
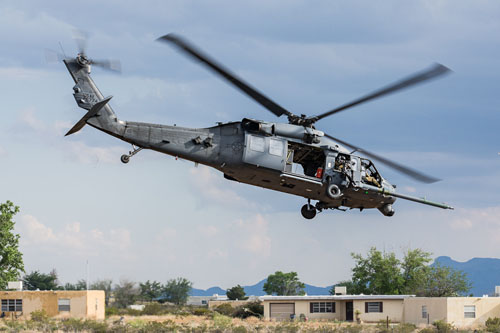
[204, 300]
[462, 312]
[58, 303]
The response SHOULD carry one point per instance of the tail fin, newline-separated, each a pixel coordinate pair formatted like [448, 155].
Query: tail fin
[92, 112]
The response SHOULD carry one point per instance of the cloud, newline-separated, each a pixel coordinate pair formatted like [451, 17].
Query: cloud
[207, 230]
[52, 134]
[255, 238]
[477, 218]
[214, 188]
[72, 240]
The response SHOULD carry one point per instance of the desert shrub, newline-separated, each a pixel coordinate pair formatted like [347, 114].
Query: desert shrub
[95, 326]
[405, 328]
[153, 309]
[14, 325]
[382, 326]
[201, 311]
[427, 330]
[352, 329]
[442, 326]
[39, 316]
[239, 329]
[287, 327]
[222, 321]
[111, 311]
[255, 309]
[493, 325]
[72, 325]
[225, 309]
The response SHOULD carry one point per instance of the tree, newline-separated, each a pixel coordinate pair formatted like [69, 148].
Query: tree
[177, 290]
[11, 259]
[284, 284]
[236, 293]
[444, 281]
[41, 281]
[126, 293]
[415, 270]
[79, 285]
[378, 273]
[150, 290]
[103, 285]
[382, 273]
[351, 288]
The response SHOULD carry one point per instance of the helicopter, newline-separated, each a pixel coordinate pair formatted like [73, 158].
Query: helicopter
[293, 157]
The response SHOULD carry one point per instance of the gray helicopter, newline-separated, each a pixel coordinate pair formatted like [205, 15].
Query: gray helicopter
[293, 157]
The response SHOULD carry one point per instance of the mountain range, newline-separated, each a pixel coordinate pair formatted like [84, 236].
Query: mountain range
[483, 273]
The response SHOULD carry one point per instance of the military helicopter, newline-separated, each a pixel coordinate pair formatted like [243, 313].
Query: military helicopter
[292, 157]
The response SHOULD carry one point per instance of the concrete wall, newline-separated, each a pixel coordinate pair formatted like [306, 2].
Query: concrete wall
[392, 308]
[437, 308]
[485, 308]
[234, 304]
[83, 304]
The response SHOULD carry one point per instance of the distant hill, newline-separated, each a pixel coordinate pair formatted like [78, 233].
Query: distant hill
[256, 290]
[484, 273]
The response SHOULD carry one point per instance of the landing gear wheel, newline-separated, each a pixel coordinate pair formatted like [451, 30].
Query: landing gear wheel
[125, 159]
[308, 211]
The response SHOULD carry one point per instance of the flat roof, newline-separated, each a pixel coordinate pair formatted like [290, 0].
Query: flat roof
[333, 297]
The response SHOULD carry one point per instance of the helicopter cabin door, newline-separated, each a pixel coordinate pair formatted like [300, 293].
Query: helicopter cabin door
[265, 151]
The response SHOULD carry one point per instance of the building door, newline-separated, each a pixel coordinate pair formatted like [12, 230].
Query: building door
[282, 311]
[349, 311]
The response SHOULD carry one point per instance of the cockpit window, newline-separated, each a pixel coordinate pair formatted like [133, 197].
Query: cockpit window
[370, 175]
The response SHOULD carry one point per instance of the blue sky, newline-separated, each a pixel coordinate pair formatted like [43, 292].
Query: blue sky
[157, 218]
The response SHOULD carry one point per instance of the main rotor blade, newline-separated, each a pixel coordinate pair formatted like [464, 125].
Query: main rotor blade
[433, 72]
[253, 93]
[396, 166]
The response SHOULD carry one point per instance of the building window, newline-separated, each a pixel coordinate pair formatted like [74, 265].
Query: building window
[12, 305]
[469, 311]
[424, 311]
[63, 304]
[322, 307]
[373, 307]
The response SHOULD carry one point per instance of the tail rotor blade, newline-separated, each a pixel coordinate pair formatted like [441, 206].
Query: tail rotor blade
[412, 173]
[80, 38]
[108, 64]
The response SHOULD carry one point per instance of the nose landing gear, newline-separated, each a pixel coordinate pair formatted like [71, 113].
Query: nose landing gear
[308, 211]
[126, 158]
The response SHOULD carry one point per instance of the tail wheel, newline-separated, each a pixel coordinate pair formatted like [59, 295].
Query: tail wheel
[308, 211]
[125, 159]
[333, 191]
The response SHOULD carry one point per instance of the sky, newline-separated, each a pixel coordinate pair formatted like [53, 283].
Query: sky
[158, 218]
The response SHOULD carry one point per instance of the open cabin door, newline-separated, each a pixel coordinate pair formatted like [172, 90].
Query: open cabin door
[265, 151]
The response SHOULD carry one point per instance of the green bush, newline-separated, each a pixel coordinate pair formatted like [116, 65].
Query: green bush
[442, 326]
[225, 309]
[493, 325]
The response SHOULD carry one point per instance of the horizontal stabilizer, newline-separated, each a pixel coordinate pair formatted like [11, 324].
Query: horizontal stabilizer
[92, 112]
